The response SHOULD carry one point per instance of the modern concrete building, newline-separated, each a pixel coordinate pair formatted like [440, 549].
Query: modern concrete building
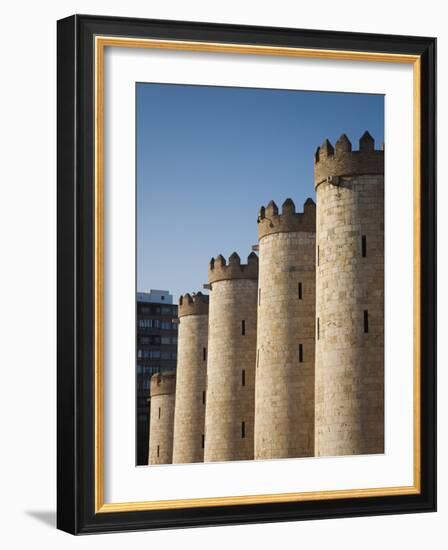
[156, 352]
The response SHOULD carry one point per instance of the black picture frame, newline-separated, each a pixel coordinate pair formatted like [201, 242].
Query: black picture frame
[76, 271]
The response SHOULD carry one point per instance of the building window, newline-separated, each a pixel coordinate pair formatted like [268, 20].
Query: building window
[258, 358]
[174, 355]
[203, 441]
[158, 450]
[318, 328]
[259, 296]
[243, 327]
[159, 412]
[366, 321]
[300, 353]
[243, 430]
[203, 397]
[318, 255]
[204, 354]
[165, 340]
[364, 246]
[299, 290]
[243, 377]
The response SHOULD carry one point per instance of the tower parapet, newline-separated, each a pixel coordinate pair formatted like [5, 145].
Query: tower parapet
[220, 270]
[340, 161]
[289, 221]
[193, 304]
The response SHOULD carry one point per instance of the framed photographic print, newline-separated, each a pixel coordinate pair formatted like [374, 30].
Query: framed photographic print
[246, 274]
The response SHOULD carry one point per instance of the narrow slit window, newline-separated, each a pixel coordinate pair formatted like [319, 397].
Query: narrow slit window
[158, 450]
[243, 377]
[364, 246]
[259, 296]
[203, 441]
[203, 397]
[366, 321]
[204, 354]
[300, 353]
[318, 328]
[258, 358]
[318, 255]
[243, 327]
[299, 290]
[159, 412]
[243, 430]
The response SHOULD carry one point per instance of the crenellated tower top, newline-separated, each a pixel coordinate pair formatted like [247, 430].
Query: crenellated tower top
[193, 304]
[331, 162]
[270, 221]
[163, 383]
[220, 270]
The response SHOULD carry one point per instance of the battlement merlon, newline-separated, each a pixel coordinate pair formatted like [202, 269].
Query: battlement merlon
[193, 304]
[163, 383]
[333, 162]
[289, 221]
[220, 270]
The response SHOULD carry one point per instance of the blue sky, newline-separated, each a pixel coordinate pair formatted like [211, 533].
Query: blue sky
[209, 157]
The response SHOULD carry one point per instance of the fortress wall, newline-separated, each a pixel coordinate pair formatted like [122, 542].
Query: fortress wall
[191, 372]
[163, 388]
[284, 402]
[350, 302]
[231, 360]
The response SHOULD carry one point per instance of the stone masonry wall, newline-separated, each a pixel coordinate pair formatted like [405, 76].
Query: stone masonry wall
[350, 316]
[231, 371]
[284, 409]
[189, 417]
[162, 418]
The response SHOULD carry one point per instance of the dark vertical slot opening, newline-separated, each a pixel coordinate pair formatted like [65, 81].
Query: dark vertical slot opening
[203, 397]
[243, 377]
[243, 429]
[366, 321]
[364, 246]
[202, 440]
[300, 353]
[300, 291]
[204, 354]
[243, 327]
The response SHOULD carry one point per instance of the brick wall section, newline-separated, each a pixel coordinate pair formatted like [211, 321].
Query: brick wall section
[163, 388]
[229, 402]
[284, 399]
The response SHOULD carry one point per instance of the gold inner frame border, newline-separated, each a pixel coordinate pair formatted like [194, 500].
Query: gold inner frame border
[101, 42]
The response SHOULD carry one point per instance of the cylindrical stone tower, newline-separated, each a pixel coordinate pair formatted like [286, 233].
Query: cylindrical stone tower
[163, 389]
[284, 379]
[229, 415]
[191, 373]
[349, 298]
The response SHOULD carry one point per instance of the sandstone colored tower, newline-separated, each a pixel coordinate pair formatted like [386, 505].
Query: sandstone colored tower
[229, 415]
[350, 298]
[163, 389]
[284, 379]
[191, 373]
